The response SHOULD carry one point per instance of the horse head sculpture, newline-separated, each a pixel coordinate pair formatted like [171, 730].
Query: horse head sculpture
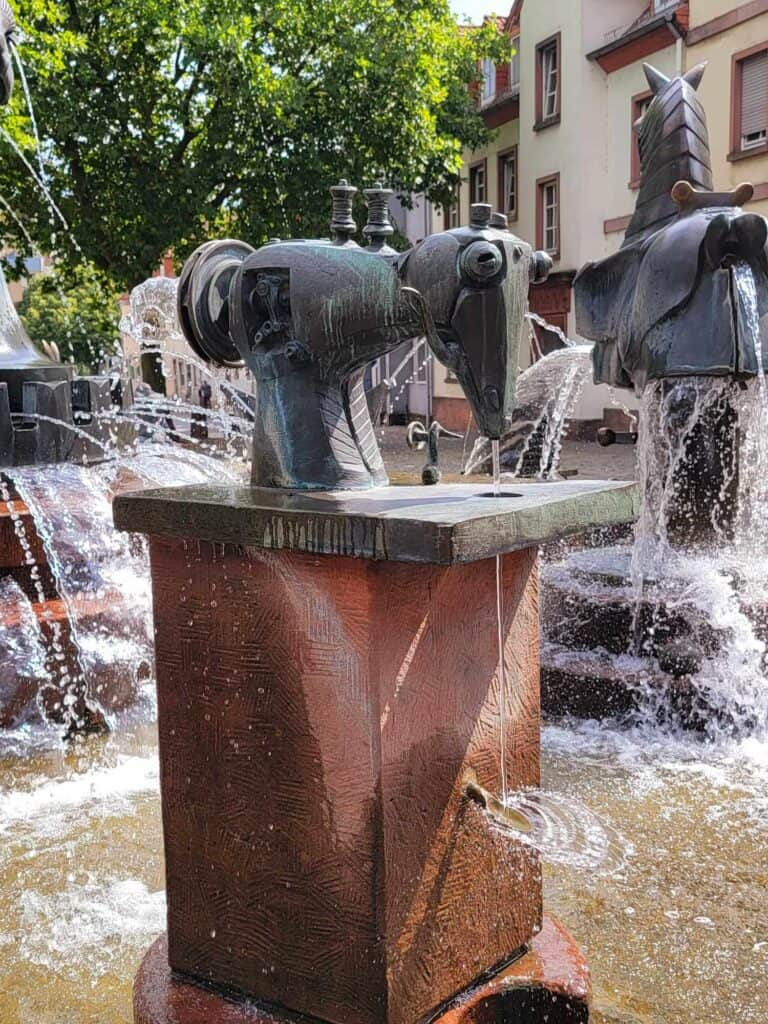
[687, 293]
[308, 317]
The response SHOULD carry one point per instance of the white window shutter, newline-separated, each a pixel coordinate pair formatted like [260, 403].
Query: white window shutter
[754, 95]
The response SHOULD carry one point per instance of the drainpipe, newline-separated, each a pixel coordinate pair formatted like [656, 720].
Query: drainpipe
[679, 44]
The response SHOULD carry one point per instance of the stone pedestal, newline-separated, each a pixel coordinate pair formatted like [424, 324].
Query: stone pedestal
[327, 675]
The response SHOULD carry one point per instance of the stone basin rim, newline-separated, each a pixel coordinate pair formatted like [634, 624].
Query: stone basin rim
[443, 525]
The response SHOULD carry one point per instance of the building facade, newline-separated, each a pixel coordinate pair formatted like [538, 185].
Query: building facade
[732, 38]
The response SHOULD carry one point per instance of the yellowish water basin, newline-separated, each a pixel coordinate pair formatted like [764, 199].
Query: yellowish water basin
[679, 935]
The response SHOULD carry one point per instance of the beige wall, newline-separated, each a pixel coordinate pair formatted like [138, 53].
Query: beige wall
[617, 199]
[590, 148]
[715, 94]
[603, 21]
[508, 135]
[705, 10]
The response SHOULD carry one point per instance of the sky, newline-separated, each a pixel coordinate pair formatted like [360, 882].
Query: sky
[476, 9]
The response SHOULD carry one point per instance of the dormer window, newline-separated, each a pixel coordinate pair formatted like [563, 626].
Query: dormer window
[514, 65]
[489, 81]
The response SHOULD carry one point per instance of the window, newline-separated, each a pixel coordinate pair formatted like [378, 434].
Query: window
[664, 5]
[548, 215]
[749, 101]
[514, 65]
[489, 81]
[640, 104]
[508, 183]
[453, 212]
[477, 183]
[548, 74]
[549, 81]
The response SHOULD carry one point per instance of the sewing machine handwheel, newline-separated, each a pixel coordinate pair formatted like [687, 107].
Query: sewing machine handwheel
[203, 300]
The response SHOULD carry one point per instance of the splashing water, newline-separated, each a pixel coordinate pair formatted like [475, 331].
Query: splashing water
[696, 576]
[566, 832]
[547, 393]
[31, 111]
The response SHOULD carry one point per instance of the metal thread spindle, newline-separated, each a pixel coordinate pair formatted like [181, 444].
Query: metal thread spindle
[379, 227]
[480, 214]
[343, 225]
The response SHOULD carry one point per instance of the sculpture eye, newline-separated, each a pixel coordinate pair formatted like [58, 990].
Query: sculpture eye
[481, 262]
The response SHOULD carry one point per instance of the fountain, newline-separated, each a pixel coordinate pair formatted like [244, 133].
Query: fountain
[335, 722]
[331, 711]
[47, 416]
[74, 594]
[678, 313]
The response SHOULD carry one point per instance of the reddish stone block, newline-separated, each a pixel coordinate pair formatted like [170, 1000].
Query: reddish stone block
[549, 983]
[317, 716]
[11, 552]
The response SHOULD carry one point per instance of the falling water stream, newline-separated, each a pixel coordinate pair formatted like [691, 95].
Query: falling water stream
[500, 636]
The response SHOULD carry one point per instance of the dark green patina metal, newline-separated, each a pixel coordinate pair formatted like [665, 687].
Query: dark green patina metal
[307, 318]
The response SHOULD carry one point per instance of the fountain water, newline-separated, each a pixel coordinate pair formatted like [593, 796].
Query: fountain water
[81, 592]
[547, 393]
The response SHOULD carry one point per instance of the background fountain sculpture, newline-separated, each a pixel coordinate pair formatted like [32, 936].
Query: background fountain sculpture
[336, 719]
[46, 416]
[74, 593]
[678, 313]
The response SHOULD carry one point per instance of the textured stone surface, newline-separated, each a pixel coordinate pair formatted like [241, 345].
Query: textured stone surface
[11, 552]
[316, 717]
[549, 983]
[439, 525]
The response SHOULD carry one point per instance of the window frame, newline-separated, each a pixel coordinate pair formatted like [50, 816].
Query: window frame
[515, 61]
[487, 95]
[737, 60]
[541, 185]
[542, 120]
[453, 212]
[503, 156]
[634, 159]
[473, 169]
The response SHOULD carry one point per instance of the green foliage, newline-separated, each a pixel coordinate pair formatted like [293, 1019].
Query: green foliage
[78, 312]
[165, 122]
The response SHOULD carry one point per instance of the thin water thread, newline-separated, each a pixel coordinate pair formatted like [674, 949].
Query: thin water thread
[496, 462]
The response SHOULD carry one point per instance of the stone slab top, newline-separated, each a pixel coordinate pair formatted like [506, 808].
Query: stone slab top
[440, 525]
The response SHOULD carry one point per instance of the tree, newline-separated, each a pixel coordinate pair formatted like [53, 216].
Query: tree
[78, 312]
[165, 122]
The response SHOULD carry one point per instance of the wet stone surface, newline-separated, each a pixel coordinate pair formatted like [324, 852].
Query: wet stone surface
[440, 525]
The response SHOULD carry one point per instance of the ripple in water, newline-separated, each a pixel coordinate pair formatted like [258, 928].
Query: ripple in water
[566, 832]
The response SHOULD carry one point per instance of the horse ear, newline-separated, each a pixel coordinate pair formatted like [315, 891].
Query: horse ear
[656, 79]
[695, 75]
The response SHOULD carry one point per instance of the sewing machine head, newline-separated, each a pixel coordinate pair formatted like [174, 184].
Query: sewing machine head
[307, 317]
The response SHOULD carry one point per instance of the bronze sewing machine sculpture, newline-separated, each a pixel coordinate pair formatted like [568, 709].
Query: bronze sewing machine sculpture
[307, 317]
